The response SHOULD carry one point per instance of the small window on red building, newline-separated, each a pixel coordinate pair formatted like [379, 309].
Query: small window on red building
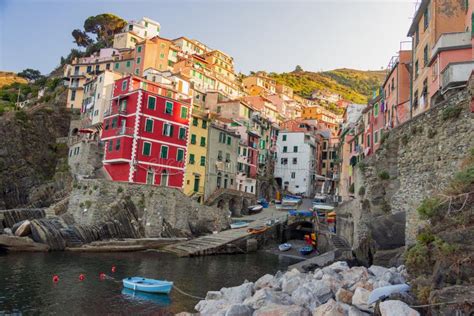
[124, 85]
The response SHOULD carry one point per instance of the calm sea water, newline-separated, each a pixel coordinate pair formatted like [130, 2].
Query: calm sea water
[26, 285]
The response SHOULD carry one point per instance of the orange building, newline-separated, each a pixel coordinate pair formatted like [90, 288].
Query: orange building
[432, 19]
[156, 53]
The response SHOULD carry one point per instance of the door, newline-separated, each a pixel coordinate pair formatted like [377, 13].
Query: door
[164, 178]
[150, 177]
[196, 184]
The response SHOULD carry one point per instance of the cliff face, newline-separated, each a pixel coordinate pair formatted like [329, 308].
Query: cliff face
[416, 160]
[29, 155]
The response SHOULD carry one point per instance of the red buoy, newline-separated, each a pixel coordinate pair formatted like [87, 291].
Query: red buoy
[82, 277]
[102, 276]
[55, 278]
[113, 269]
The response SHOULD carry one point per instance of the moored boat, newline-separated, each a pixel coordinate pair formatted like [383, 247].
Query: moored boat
[254, 209]
[147, 285]
[305, 250]
[237, 225]
[257, 230]
[284, 247]
[155, 298]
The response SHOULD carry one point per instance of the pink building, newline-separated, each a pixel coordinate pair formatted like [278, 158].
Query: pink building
[374, 123]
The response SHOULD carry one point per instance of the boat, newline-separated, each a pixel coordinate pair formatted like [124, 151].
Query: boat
[257, 230]
[300, 213]
[254, 209]
[305, 250]
[289, 202]
[237, 225]
[263, 202]
[272, 221]
[284, 247]
[147, 285]
[157, 299]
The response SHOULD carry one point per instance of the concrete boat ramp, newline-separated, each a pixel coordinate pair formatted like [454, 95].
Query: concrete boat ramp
[232, 240]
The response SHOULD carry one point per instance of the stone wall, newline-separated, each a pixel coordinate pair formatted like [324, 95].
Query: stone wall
[415, 160]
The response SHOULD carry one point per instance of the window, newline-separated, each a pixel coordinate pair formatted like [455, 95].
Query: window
[204, 124]
[191, 159]
[195, 121]
[164, 152]
[221, 137]
[184, 112]
[285, 149]
[203, 161]
[146, 149]
[151, 102]
[182, 133]
[393, 84]
[368, 140]
[73, 95]
[124, 85]
[295, 161]
[203, 141]
[416, 69]
[169, 108]
[229, 140]
[425, 56]
[117, 65]
[218, 110]
[295, 149]
[219, 155]
[193, 139]
[138, 60]
[284, 138]
[107, 66]
[139, 49]
[415, 99]
[227, 157]
[426, 17]
[89, 69]
[106, 124]
[149, 125]
[284, 161]
[114, 122]
[111, 145]
[293, 175]
[180, 155]
[117, 145]
[128, 63]
[168, 130]
[376, 110]
[417, 35]
[123, 105]
[376, 137]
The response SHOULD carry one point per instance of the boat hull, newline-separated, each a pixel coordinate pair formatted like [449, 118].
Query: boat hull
[284, 247]
[148, 285]
[239, 225]
[306, 250]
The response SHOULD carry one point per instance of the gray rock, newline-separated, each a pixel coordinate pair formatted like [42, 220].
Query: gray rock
[266, 281]
[214, 295]
[8, 231]
[393, 277]
[212, 307]
[337, 267]
[14, 243]
[360, 298]
[24, 229]
[290, 284]
[237, 294]
[353, 311]
[381, 283]
[321, 289]
[267, 296]
[377, 271]
[331, 308]
[344, 296]
[354, 275]
[239, 310]
[282, 310]
[318, 274]
[303, 296]
[396, 308]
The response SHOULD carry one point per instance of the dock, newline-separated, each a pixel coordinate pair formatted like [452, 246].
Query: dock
[232, 240]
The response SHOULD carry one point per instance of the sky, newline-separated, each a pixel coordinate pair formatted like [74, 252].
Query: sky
[260, 35]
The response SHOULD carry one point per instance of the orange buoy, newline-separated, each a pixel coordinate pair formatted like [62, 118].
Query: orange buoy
[113, 269]
[102, 276]
[55, 278]
[82, 277]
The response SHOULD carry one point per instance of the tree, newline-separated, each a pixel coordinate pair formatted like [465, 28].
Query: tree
[30, 74]
[81, 38]
[298, 68]
[104, 26]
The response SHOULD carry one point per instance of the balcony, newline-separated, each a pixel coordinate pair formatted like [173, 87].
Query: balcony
[115, 110]
[452, 41]
[456, 73]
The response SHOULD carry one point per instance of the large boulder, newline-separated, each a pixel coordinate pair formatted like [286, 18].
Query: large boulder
[303, 296]
[212, 307]
[344, 296]
[331, 308]
[337, 267]
[14, 243]
[214, 295]
[282, 310]
[24, 229]
[267, 280]
[290, 284]
[237, 294]
[377, 271]
[396, 308]
[267, 296]
[321, 289]
[360, 298]
[354, 275]
[239, 310]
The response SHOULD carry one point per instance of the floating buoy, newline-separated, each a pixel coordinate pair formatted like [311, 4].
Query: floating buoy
[102, 276]
[81, 277]
[113, 269]
[55, 278]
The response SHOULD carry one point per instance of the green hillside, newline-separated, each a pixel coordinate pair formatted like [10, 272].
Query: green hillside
[352, 85]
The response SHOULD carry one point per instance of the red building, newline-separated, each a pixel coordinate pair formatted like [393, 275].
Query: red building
[145, 132]
[252, 150]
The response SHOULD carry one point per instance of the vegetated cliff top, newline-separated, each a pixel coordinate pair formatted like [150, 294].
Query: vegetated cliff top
[7, 78]
[353, 85]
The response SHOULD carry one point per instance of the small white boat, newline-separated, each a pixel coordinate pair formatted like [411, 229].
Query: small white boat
[237, 225]
[255, 209]
[284, 247]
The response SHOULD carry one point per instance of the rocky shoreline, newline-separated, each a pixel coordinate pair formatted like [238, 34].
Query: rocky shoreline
[335, 290]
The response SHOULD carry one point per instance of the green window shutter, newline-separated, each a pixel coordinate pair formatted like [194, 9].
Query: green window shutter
[138, 60]
[124, 85]
[171, 130]
[182, 133]
[117, 65]
[149, 126]
[195, 121]
[164, 152]
[285, 149]
[146, 149]
[111, 145]
[169, 107]
[229, 140]
[193, 139]
[184, 112]
[203, 161]
[128, 63]
[204, 124]
[191, 159]
[151, 102]
[203, 141]
[180, 155]
[284, 138]
[139, 49]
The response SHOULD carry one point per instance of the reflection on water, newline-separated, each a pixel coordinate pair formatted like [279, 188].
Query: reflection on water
[26, 280]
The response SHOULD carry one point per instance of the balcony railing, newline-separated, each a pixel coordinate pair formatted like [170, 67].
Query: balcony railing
[456, 73]
[115, 110]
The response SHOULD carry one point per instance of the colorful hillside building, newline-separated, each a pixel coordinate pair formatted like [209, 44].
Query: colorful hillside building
[145, 132]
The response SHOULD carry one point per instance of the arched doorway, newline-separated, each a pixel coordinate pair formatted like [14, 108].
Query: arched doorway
[233, 207]
[164, 178]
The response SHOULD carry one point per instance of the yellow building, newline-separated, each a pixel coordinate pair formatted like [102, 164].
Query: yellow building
[195, 172]
[259, 84]
[158, 53]
[126, 40]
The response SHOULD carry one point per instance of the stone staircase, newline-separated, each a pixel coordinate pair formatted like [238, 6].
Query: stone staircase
[340, 243]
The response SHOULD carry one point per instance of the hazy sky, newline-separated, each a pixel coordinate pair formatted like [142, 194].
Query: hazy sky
[260, 35]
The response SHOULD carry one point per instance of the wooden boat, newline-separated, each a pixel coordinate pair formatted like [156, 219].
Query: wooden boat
[257, 230]
[237, 225]
[284, 247]
[306, 250]
[254, 209]
[147, 285]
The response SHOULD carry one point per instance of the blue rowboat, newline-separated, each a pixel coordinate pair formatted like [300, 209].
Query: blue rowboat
[237, 225]
[157, 299]
[147, 285]
[306, 250]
